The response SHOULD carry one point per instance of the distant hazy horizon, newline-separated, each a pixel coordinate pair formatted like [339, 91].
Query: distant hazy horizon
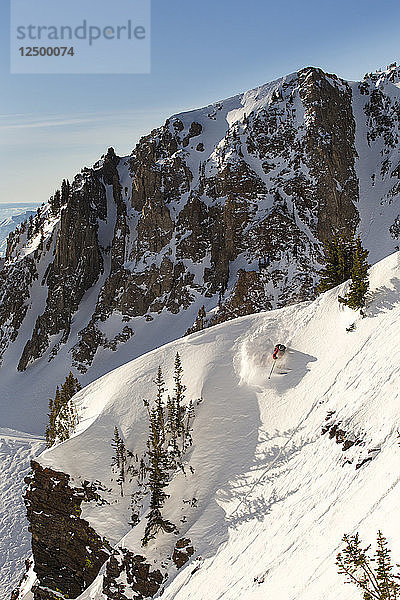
[20, 204]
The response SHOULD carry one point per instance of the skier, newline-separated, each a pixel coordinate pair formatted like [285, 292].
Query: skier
[279, 351]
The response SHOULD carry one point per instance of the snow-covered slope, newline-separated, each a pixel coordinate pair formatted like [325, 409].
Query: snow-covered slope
[273, 495]
[16, 451]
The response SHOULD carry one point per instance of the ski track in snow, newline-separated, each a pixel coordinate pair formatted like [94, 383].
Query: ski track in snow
[16, 451]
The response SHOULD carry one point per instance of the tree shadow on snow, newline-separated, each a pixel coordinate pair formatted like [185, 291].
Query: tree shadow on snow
[383, 299]
[230, 429]
[258, 508]
[249, 490]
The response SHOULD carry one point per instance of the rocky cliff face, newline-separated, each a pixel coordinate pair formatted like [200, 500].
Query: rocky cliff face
[225, 207]
[68, 553]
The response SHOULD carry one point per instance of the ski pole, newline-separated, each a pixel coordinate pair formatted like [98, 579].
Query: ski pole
[273, 365]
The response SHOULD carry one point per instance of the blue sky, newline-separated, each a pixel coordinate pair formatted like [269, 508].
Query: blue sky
[52, 125]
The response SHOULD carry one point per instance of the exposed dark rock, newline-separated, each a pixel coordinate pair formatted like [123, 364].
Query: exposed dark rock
[364, 461]
[249, 293]
[194, 131]
[67, 552]
[182, 552]
[340, 436]
[17, 592]
[142, 581]
[331, 150]
[15, 284]
[110, 164]
[128, 573]
[395, 229]
[76, 267]
[347, 441]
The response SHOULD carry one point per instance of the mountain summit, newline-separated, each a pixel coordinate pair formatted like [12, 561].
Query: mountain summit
[225, 207]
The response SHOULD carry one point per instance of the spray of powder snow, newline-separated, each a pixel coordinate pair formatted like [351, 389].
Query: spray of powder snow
[254, 360]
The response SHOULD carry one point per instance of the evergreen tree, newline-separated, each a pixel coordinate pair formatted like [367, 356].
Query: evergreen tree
[119, 458]
[156, 523]
[178, 398]
[36, 222]
[167, 423]
[387, 581]
[63, 416]
[171, 423]
[41, 243]
[158, 480]
[158, 474]
[65, 190]
[372, 575]
[338, 255]
[55, 202]
[54, 409]
[30, 226]
[356, 296]
[189, 418]
[200, 319]
[160, 409]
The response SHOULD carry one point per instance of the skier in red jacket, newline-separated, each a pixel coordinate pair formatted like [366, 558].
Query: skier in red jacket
[279, 351]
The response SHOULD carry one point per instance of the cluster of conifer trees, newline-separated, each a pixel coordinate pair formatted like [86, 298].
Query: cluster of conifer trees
[170, 422]
[345, 258]
[60, 197]
[170, 435]
[63, 417]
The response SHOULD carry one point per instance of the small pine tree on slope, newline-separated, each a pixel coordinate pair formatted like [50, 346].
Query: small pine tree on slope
[175, 425]
[67, 417]
[119, 458]
[158, 480]
[374, 576]
[178, 398]
[356, 296]
[167, 425]
[160, 411]
[54, 409]
[338, 255]
[63, 416]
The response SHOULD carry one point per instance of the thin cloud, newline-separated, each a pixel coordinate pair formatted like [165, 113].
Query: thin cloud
[31, 122]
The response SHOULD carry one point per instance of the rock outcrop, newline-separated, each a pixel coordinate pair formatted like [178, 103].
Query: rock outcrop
[68, 553]
[139, 577]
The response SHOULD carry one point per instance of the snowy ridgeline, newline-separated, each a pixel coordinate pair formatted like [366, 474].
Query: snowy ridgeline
[12, 215]
[280, 468]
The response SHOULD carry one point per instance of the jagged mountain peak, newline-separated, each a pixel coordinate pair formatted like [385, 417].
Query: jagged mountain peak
[389, 75]
[224, 207]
